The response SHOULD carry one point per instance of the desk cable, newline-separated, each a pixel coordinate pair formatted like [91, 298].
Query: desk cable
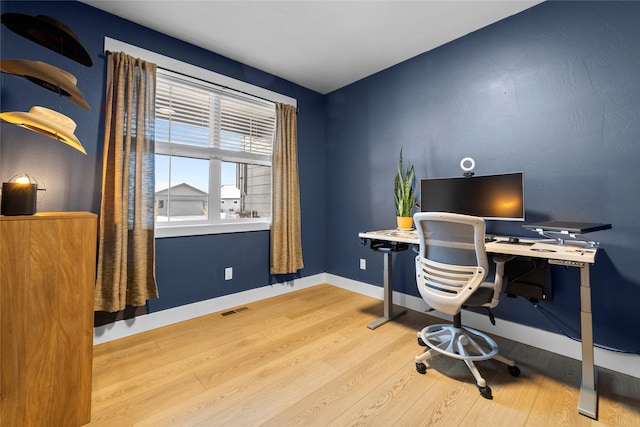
[556, 323]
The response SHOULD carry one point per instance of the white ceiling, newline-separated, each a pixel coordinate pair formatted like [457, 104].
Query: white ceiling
[321, 45]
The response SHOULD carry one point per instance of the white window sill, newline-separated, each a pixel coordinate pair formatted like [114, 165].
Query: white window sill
[203, 229]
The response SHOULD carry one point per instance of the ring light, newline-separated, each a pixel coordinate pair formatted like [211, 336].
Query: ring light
[471, 164]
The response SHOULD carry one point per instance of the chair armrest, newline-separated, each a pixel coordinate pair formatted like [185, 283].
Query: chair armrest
[502, 258]
[499, 279]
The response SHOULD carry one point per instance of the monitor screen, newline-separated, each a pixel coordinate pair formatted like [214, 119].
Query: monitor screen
[489, 196]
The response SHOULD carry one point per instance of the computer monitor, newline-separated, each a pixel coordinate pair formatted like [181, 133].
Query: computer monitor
[491, 197]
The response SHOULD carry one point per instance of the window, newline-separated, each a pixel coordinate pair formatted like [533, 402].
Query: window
[213, 154]
[213, 148]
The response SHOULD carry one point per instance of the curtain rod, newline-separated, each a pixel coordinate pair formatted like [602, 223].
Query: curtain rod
[108, 52]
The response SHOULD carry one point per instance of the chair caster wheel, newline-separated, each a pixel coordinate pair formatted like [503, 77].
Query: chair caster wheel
[421, 343]
[514, 371]
[421, 368]
[485, 392]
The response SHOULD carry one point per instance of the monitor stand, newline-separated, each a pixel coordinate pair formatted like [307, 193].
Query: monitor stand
[568, 232]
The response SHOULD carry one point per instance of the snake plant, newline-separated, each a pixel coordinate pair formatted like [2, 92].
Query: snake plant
[404, 197]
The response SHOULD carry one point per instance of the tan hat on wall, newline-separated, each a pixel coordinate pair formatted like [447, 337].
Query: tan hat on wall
[48, 32]
[47, 76]
[47, 122]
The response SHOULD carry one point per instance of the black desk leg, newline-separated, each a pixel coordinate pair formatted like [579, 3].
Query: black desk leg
[588, 401]
[388, 295]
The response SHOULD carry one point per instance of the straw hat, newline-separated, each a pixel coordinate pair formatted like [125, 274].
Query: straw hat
[48, 32]
[47, 76]
[47, 122]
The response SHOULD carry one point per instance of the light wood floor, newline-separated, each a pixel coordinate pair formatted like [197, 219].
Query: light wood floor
[307, 358]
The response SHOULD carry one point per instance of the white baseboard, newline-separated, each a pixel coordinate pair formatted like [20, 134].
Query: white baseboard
[624, 363]
[628, 364]
[147, 322]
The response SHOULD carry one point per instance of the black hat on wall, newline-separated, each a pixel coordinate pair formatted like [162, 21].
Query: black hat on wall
[50, 33]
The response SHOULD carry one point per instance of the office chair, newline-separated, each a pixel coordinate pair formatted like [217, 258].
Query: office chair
[451, 269]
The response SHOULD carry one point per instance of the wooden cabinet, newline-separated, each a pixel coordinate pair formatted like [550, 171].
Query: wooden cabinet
[47, 275]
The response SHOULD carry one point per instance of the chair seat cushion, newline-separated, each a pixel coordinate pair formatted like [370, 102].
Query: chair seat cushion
[481, 296]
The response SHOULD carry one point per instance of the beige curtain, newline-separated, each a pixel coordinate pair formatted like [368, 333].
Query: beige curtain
[126, 255]
[286, 247]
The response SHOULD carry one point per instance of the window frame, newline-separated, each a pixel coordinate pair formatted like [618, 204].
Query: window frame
[216, 79]
[224, 113]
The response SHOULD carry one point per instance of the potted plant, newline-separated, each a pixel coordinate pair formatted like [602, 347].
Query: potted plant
[404, 197]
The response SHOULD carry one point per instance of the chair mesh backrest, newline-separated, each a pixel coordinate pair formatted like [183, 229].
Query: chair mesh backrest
[452, 261]
[450, 242]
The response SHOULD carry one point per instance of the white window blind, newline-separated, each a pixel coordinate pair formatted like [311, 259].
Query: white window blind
[249, 127]
[183, 112]
[231, 126]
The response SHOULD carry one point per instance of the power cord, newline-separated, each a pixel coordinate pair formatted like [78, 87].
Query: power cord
[556, 322]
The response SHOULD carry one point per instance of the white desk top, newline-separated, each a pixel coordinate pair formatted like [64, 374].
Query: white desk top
[539, 248]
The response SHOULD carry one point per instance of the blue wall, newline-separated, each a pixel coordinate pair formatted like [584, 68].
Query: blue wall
[553, 92]
[188, 269]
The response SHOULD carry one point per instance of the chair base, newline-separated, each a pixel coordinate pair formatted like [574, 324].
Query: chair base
[465, 344]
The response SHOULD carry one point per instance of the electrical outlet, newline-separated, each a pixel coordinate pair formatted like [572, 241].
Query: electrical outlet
[228, 273]
[363, 264]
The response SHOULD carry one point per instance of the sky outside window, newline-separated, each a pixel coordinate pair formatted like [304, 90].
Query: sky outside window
[194, 172]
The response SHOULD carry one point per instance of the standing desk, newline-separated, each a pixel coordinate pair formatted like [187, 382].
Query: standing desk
[389, 241]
